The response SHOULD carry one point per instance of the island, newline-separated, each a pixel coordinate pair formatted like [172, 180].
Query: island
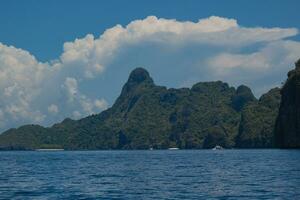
[148, 116]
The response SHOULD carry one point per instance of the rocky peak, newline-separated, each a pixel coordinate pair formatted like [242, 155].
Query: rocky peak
[139, 75]
[207, 87]
[242, 89]
[242, 96]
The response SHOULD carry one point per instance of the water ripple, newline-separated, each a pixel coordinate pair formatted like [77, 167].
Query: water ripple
[202, 174]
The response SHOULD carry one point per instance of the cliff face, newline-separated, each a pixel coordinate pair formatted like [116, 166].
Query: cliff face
[258, 118]
[287, 129]
[146, 115]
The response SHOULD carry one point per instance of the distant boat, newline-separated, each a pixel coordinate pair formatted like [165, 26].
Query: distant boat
[217, 147]
[173, 148]
[150, 148]
[49, 149]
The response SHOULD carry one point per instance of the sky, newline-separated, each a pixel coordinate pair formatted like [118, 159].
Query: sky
[63, 58]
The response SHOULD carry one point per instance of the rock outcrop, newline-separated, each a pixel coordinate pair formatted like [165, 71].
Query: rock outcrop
[287, 128]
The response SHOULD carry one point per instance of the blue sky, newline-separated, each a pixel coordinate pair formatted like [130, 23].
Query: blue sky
[48, 75]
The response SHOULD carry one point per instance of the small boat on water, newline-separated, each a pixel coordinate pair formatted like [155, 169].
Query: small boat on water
[173, 148]
[49, 149]
[217, 147]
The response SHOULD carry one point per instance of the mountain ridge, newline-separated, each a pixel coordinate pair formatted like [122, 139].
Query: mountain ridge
[149, 116]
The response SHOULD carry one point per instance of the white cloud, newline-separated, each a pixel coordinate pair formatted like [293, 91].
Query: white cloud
[262, 69]
[225, 62]
[53, 109]
[70, 85]
[271, 57]
[95, 54]
[101, 104]
[86, 105]
[30, 89]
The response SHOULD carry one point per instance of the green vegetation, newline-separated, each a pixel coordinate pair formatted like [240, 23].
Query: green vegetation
[257, 121]
[146, 115]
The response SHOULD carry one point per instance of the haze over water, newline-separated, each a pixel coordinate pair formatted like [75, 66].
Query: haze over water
[182, 174]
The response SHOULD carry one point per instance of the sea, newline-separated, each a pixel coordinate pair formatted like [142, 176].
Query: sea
[144, 174]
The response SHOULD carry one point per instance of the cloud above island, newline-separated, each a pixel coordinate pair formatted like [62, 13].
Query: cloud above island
[74, 84]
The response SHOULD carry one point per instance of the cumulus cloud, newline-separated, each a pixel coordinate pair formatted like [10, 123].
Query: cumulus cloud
[274, 57]
[20, 75]
[211, 48]
[28, 88]
[53, 109]
[101, 103]
[95, 54]
[70, 85]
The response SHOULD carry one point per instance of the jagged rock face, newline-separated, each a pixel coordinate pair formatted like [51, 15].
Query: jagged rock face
[137, 76]
[288, 121]
[146, 115]
[256, 129]
[258, 118]
[243, 96]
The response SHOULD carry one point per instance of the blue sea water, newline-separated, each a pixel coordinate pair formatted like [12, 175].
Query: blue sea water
[181, 174]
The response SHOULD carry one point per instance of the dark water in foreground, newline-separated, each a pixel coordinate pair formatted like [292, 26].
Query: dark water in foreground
[202, 174]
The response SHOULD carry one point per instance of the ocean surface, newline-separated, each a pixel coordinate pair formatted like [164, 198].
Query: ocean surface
[177, 174]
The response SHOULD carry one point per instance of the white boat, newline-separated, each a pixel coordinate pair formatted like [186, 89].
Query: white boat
[173, 148]
[217, 147]
[49, 149]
